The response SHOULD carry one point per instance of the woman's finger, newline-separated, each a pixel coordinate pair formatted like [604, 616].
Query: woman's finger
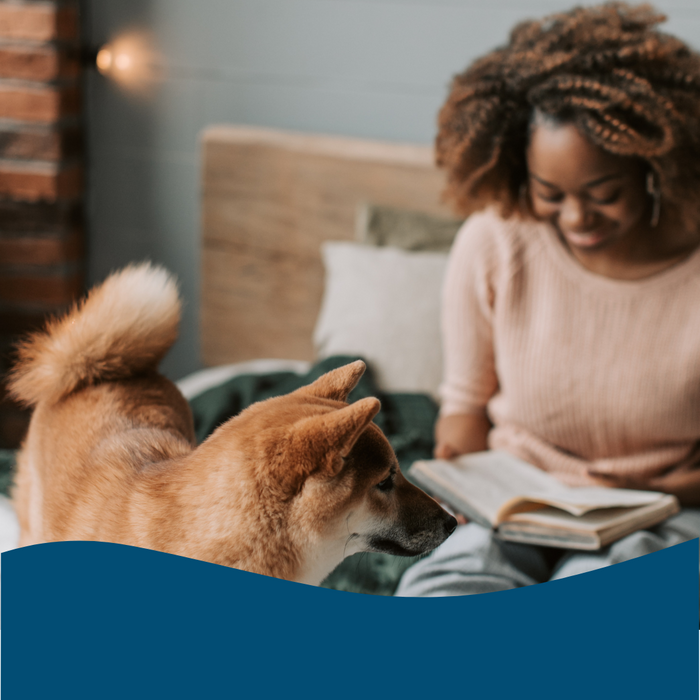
[444, 451]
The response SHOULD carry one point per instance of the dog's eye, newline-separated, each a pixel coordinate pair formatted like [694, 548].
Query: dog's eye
[387, 484]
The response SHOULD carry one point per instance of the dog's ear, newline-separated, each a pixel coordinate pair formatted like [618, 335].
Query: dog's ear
[345, 425]
[324, 440]
[338, 383]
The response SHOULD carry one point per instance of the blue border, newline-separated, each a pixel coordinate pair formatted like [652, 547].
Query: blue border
[100, 621]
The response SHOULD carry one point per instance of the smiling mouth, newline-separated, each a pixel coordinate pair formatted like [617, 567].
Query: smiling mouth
[584, 240]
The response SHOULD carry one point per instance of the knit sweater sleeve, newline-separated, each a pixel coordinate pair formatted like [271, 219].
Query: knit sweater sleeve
[469, 375]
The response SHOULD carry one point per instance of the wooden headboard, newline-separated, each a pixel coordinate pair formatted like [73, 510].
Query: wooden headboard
[269, 199]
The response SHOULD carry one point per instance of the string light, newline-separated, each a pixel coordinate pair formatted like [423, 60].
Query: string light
[130, 60]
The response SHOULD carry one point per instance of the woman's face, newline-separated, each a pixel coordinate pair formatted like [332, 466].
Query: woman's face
[596, 201]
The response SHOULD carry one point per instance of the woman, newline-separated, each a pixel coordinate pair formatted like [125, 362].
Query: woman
[571, 318]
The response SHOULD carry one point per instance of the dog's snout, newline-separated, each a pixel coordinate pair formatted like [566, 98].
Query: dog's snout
[450, 525]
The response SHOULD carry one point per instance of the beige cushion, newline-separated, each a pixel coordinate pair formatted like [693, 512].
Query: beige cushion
[380, 225]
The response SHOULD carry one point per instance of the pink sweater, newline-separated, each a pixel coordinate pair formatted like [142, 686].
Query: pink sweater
[575, 370]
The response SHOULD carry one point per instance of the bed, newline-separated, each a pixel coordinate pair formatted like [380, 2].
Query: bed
[316, 250]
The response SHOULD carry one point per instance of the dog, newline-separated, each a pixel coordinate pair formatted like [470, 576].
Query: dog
[288, 488]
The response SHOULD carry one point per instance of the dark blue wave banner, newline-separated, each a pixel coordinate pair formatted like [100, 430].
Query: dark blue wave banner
[100, 621]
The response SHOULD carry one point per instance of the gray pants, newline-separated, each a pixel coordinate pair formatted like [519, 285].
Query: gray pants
[473, 561]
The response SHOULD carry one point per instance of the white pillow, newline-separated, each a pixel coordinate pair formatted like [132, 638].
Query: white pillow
[384, 304]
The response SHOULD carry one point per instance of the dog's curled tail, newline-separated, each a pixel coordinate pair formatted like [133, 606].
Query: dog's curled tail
[124, 327]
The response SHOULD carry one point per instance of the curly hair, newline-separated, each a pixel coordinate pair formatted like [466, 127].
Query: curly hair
[630, 89]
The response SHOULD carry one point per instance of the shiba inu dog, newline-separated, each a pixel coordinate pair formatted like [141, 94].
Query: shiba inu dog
[288, 488]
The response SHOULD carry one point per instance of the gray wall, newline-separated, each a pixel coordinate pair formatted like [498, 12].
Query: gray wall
[368, 68]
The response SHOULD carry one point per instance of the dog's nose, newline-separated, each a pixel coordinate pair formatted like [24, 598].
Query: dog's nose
[450, 525]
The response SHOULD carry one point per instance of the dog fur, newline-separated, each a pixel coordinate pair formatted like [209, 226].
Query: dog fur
[288, 488]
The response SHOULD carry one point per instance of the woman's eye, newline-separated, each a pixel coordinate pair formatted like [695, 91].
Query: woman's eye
[610, 199]
[387, 484]
[552, 198]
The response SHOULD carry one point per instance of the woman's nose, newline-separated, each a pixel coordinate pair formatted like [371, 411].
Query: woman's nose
[573, 215]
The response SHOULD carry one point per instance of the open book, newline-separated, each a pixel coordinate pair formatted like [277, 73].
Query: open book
[525, 504]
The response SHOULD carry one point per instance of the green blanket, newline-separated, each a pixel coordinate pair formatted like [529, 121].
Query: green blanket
[406, 419]
[7, 466]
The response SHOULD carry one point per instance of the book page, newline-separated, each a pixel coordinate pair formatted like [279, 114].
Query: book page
[473, 493]
[556, 518]
[497, 485]
[484, 481]
[598, 527]
[578, 501]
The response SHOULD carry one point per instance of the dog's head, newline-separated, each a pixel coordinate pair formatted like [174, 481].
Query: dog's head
[326, 475]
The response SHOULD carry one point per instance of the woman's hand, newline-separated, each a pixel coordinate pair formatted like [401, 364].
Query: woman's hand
[459, 434]
[683, 483]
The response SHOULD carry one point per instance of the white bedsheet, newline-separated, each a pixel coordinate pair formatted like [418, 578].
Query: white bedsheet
[199, 382]
[9, 527]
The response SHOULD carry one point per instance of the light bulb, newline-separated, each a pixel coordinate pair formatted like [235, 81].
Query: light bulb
[104, 60]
